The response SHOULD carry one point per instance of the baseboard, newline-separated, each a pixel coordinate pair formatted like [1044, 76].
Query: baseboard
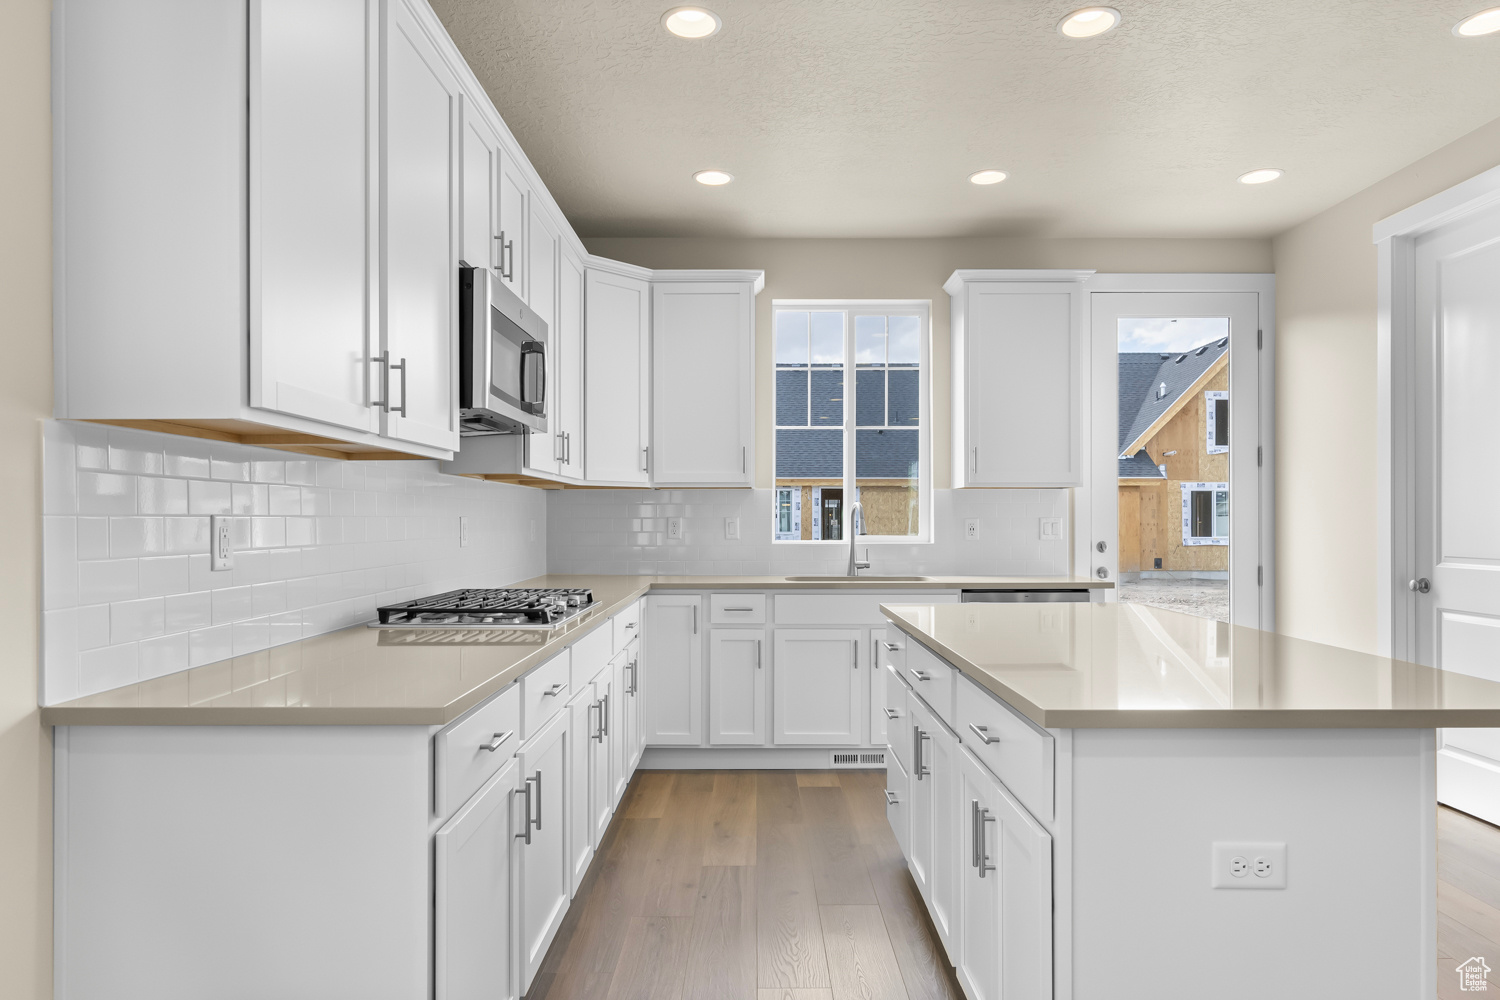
[1469, 784]
[751, 758]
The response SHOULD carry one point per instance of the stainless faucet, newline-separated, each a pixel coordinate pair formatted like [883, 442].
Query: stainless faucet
[856, 521]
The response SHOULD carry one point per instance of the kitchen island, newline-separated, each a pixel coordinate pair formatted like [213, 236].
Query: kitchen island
[1113, 801]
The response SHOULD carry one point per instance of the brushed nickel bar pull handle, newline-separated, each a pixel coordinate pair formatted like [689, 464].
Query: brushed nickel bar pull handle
[976, 460]
[695, 619]
[497, 741]
[758, 644]
[402, 369]
[498, 244]
[525, 833]
[890, 798]
[922, 768]
[974, 834]
[739, 609]
[539, 800]
[983, 733]
[891, 647]
[984, 849]
[891, 713]
[920, 675]
[555, 689]
[743, 453]
[604, 718]
[384, 402]
[855, 646]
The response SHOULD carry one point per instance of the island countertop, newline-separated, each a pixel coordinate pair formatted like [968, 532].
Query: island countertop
[364, 676]
[1129, 666]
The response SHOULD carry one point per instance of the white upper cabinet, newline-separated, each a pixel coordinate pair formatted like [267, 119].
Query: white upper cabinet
[703, 377]
[565, 411]
[480, 152]
[312, 84]
[616, 354]
[1019, 365]
[420, 236]
[510, 241]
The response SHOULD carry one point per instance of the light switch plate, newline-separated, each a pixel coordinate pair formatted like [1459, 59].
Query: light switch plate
[221, 543]
[1051, 529]
[1249, 865]
[463, 530]
[731, 527]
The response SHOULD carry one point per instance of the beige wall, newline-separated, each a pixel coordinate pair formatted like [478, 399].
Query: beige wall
[25, 397]
[911, 269]
[1325, 398]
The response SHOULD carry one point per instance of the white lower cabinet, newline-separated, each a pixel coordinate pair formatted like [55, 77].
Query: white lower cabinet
[934, 819]
[474, 904]
[582, 711]
[898, 802]
[634, 740]
[819, 687]
[622, 734]
[1005, 877]
[737, 686]
[601, 752]
[542, 882]
[672, 679]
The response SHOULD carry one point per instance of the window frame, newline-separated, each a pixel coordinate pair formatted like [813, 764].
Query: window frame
[852, 309]
[1211, 420]
[1188, 538]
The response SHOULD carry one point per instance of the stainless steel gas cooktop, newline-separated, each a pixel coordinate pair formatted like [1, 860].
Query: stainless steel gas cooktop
[503, 608]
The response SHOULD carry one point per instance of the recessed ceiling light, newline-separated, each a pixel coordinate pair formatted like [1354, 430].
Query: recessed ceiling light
[987, 177]
[1264, 175]
[713, 178]
[1089, 22]
[1486, 22]
[691, 22]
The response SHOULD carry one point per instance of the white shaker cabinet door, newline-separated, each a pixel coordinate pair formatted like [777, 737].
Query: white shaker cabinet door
[565, 347]
[480, 187]
[474, 934]
[819, 686]
[616, 376]
[622, 729]
[582, 725]
[1021, 358]
[601, 798]
[737, 686]
[312, 88]
[420, 245]
[542, 882]
[934, 819]
[515, 198]
[672, 671]
[703, 365]
[1005, 883]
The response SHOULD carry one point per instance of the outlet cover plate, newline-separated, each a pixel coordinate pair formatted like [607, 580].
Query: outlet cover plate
[463, 530]
[674, 527]
[971, 527]
[1262, 865]
[220, 543]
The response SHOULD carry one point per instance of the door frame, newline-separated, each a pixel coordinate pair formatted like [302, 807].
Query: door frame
[1395, 239]
[1095, 515]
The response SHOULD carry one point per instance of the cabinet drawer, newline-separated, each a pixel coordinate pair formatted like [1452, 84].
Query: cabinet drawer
[474, 748]
[930, 678]
[544, 693]
[897, 808]
[1019, 754]
[846, 609]
[627, 626]
[590, 655]
[734, 609]
[890, 648]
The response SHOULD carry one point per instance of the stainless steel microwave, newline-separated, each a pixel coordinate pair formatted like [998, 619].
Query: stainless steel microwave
[502, 361]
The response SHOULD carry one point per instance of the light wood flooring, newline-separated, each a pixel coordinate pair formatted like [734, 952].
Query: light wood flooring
[1468, 898]
[750, 885]
[788, 885]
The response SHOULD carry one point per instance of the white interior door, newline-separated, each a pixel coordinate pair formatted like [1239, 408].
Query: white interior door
[1164, 329]
[1457, 483]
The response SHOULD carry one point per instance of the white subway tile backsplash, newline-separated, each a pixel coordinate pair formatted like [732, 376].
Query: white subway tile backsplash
[128, 590]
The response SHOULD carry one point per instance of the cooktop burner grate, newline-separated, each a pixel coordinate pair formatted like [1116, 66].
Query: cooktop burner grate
[497, 607]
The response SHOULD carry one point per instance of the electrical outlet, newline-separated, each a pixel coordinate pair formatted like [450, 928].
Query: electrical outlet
[463, 530]
[220, 543]
[1051, 529]
[731, 527]
[674, 527]
[971, 528]
[1257, 865]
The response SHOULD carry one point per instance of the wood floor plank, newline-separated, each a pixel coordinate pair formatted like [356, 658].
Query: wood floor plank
[731, 820]
[675, 860]
[776, 797]
[792, 994]
[652, 789]
[924, 963]
[604, 905]
[1480, 917]
[789, 929]
[721, 943]
[864, 793]
[817, 779]
[838, 866]
[860, 960]
[653, 961]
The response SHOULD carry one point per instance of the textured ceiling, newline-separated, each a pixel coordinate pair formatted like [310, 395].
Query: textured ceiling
[865, 117]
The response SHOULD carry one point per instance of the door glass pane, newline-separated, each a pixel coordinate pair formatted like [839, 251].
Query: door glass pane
[1174, 463]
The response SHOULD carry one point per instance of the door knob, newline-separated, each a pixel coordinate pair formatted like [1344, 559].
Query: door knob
[1421, 585]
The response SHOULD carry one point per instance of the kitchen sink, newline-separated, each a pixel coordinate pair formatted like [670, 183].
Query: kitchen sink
[852, 579]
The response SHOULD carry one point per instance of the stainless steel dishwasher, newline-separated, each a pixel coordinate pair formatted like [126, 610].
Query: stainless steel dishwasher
[1023, 596]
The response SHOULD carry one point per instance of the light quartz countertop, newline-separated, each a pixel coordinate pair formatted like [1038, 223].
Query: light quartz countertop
[1116, 666]
[365, 676]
